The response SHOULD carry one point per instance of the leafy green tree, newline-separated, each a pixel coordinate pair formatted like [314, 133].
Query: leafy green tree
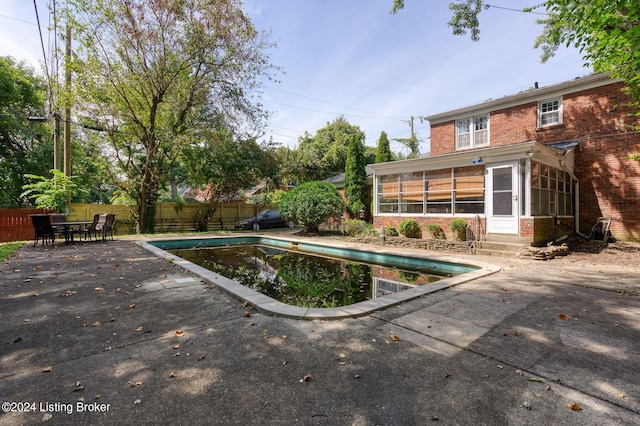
[221, 167]
[155, 72]
[26, 146]
[355, 178]
[383, 153]
[324, 155]
[606, 31]
[52, 193]
[311, 203]
[370, 154]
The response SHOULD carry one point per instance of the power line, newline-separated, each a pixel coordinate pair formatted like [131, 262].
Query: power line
[510, 9]
[44, 56]
[334, 113]
[332, 103]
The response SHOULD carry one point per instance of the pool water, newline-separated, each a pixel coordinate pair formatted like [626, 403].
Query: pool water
[308, 279]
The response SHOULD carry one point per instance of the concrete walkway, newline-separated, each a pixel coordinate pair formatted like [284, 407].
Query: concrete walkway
[108, 333]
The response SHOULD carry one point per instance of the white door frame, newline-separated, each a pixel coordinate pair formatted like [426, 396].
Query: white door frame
[503, 217]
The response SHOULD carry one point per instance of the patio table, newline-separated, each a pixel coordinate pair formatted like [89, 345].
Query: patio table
[71, 227]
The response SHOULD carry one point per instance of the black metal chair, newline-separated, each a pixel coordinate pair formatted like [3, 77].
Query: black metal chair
[42, 229]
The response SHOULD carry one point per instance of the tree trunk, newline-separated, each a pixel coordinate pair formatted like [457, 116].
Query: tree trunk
[147, 203]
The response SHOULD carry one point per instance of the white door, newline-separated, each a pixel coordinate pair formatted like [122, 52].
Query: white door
[502, 198]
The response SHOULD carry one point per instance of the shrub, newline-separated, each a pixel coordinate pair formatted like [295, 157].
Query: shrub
[389, 231]
[410, 228]
[371, 231]
[459, 228]
[355, 227]
[436, 231]
[311, 203]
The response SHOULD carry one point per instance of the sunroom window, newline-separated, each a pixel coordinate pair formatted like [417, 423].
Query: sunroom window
[472, 132]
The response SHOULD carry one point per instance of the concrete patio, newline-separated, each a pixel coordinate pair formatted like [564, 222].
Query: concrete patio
[108, 333]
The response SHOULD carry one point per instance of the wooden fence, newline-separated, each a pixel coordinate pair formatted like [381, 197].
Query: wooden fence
[15, 224]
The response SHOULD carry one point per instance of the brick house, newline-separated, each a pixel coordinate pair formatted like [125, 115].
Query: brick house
[534, 166]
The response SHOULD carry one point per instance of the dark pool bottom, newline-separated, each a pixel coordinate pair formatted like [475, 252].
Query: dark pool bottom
[453, 272]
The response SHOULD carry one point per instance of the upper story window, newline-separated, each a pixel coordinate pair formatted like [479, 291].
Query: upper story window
[549, 112]
[472, 132]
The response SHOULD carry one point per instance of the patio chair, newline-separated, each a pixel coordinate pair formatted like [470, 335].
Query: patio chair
[97, 226]
[108, 226]
[58, 218]
[91, 228]
[42, 229]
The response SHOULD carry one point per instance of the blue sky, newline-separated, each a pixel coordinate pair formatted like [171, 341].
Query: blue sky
[352, 57]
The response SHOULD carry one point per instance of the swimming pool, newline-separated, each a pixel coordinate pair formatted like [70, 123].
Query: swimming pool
[453, 271]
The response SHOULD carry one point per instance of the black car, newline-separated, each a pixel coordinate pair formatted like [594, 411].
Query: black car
[264, 219]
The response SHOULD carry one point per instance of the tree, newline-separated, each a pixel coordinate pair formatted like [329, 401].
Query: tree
[311, 203]
[325, 154]
[52, 193]
[355, 178]
[383, 154]
[155, 71]
[221, 167]
[26, 146]
[606, 31]
[413, 144]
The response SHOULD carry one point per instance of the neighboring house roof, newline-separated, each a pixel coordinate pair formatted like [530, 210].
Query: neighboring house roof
[338, 180]
[533, 95]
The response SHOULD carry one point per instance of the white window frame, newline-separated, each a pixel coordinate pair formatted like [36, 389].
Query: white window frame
[472, 132]
[547, 113]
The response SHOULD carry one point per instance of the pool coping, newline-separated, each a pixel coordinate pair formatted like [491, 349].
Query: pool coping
[268, 305]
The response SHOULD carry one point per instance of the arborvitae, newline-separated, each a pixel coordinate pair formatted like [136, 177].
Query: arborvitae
[355, 177]
[384, 151]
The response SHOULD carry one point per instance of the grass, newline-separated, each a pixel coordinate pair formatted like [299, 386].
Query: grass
[6, 249]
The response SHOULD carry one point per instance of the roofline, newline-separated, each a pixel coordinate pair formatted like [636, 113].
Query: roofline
[464, 158]
[582, 83]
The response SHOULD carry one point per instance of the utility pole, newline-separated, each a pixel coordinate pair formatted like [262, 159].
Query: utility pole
[56, 141]
[413, 135]
[67, 109]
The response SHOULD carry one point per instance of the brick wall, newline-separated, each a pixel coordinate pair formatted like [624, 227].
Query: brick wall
[444, 222]
[601, 120]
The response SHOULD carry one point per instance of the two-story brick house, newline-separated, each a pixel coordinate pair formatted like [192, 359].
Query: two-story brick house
[536, 165]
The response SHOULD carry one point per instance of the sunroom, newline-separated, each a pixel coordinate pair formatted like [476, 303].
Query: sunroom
[525, 190]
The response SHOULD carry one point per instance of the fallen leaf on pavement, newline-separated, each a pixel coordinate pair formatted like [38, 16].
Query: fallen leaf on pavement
[179, 333]
[307, 378]
[48, 370]
[395, 338]
[574, 406]
[563, 317]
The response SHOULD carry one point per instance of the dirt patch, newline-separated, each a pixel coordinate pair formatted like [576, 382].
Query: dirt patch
[616, 252]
